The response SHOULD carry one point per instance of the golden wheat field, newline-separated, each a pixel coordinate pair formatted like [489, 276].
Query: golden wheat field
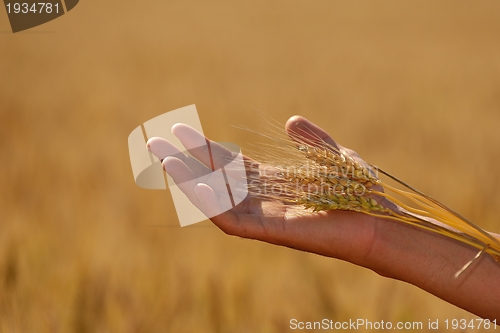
[414, 87]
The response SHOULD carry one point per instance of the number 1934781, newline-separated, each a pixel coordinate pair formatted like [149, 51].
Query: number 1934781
[35, 8]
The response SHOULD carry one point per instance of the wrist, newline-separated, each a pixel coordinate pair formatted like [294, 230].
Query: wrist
[430, 261]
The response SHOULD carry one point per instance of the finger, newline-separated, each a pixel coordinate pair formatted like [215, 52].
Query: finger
[228, 221]
[186, 180]
[162, 148]
[183, 177]
[209, 203]
[302, 130]
[210, 153]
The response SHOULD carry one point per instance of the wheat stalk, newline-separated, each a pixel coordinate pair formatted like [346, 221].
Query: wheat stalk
[319, 177]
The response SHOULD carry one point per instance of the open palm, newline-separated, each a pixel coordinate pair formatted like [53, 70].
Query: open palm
[389, 248]
[345, 235]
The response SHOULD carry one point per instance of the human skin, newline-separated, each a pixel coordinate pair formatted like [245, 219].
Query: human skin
[389, 248]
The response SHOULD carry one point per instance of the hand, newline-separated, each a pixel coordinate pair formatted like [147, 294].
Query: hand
[390, 248]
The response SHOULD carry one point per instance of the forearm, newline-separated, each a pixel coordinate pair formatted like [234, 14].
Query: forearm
[430, 261]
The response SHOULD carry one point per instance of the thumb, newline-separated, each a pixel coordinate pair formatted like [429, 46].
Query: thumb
[209, 203]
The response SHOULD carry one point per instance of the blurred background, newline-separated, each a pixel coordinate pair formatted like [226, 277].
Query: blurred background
[414, 87]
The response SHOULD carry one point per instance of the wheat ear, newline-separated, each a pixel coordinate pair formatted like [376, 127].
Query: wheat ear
[319, 177]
